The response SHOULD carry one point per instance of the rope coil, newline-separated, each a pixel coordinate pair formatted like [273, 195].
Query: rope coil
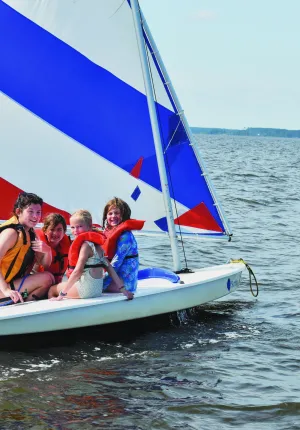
[251, 275]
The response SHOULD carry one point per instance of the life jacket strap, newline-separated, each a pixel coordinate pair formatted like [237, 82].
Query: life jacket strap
[126, 258]
[16, 227]
[131, 256]
[59, 258]
[90, 266]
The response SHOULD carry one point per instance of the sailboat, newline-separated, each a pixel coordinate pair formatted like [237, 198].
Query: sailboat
[88, 112]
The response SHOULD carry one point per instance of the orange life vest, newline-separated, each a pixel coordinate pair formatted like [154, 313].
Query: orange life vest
[20, 258]
[92, 236]
[113, 235]
[59, 255]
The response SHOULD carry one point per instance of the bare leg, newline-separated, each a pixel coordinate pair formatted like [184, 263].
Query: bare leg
[56, 289]
[37, 284]
[37, 294]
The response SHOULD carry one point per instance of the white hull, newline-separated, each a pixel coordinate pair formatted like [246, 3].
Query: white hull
[153, 297]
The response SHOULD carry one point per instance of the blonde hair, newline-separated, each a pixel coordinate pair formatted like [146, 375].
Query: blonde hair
[85, 216]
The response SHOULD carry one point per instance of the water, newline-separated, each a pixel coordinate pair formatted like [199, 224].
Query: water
[230, 364]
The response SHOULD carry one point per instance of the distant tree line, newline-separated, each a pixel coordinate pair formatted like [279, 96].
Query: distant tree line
[269, 132]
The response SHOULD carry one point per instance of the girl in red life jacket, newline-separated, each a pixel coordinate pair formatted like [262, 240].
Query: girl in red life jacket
[20, 249]
[54, 234]
[86, 280]
[124, 258]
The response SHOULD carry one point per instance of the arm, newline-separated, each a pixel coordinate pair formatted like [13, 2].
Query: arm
[36, 268]
[118, 283]
[8, 239]
[84, 254]
[109, 268]
[112, 273]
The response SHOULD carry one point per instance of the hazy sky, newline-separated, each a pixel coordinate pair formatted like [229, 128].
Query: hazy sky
[234, 63]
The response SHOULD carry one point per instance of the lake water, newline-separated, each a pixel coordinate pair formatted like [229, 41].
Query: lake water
[229, 364]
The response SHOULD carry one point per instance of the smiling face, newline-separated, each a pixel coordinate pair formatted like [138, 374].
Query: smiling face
[78, 226]
[113, 217]
[30, 216]
[55, 234]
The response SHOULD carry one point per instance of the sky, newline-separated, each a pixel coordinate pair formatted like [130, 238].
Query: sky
[233, 63]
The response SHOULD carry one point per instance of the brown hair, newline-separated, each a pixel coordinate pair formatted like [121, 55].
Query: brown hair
[26, 199]
[52, 220]
[85, 216]
[121, 205]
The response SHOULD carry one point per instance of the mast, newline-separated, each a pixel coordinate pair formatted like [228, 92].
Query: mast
[156, 134]
[171, 91]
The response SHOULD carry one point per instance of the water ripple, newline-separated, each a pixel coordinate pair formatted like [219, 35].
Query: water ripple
[230, 363]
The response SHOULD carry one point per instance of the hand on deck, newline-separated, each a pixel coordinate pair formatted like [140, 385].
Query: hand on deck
[56, 299]
[14, 295]
[127, 293]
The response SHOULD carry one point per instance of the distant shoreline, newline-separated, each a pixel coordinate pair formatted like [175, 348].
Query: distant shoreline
[265, 132]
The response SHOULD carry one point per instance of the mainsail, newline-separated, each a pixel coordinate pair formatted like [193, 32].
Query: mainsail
[74, 119]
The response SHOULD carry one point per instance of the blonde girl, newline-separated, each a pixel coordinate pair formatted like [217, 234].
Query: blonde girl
[84, 282]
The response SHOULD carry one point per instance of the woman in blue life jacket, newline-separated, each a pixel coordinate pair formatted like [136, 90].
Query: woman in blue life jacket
[124, 259]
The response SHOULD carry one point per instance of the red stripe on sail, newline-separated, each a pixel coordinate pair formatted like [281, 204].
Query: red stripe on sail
[9, 194]
[198, 217]
[136, 171]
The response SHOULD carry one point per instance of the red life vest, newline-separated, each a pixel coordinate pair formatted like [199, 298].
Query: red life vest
[92, 236]
[113, 235]
[59, 255]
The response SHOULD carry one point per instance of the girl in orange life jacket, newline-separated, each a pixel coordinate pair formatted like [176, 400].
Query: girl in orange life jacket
[86, 280]
[125, 256]
[19, 249]
[54, 234]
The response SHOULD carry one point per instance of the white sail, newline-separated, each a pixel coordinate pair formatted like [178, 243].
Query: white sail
[74, 121]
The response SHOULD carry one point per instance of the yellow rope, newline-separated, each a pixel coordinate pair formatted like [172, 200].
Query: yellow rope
[251, 274]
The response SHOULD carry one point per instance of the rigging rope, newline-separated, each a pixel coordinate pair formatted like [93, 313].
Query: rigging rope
[117, 9]
[173, 135]
[165, 149]
[251, 275]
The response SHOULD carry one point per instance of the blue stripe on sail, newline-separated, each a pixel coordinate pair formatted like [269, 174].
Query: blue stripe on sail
[73, 94]
[92, 106]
